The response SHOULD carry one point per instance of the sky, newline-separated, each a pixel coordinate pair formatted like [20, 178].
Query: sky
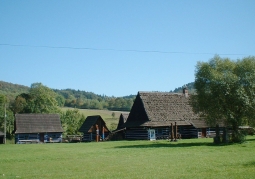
[116, 47]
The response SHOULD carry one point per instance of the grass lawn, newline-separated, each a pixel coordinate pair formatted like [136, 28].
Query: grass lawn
[190, 158]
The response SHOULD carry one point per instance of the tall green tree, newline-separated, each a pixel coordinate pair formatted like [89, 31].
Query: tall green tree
[2, 108]
[43, 99]
[226, 92]
[60, 100]
[40, 99]
[71, 121]
[5, 110]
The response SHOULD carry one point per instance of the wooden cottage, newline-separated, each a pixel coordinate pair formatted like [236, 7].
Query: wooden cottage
[1, 137]
[94, 129]
[154, 115]
[119, 132]
[35, 128]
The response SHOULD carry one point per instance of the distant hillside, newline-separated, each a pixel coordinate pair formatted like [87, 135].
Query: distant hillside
[190, 87]
[74, 98]
[83, 99]
[12, 90]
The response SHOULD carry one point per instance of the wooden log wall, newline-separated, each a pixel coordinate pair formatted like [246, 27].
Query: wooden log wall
[211, 132]
[34, 137]
[188, 132]
[163, 132]
[185, 132]
[137, 133]
[92, 136]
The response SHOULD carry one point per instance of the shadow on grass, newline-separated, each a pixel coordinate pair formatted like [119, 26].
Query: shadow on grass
[250, 139]
[250, 164]
[170, 144]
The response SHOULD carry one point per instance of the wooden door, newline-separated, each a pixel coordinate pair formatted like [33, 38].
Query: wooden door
[204, 132]
[41, 137]
[152, 134]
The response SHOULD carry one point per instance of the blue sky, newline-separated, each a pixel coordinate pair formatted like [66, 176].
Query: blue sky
[118, 47]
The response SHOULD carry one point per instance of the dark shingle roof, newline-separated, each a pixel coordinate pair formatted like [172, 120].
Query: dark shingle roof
[197, 123]
[90, 122]
[122, 120]
[160, 109]
[37, 123]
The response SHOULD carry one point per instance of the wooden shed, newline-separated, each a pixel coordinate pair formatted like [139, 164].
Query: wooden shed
[153, 114]
[35, 128]
[92, 127]
[1, 137]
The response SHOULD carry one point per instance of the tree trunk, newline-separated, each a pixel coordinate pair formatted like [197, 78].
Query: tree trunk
[217, 137]
[237, 136]
[225, 138]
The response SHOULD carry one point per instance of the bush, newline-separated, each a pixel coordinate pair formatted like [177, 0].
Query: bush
[248, 131]
[238, 136]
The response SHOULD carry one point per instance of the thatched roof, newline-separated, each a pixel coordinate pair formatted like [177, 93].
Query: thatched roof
[155, 109]
[90, 122]
[37, 123]
[197, 123]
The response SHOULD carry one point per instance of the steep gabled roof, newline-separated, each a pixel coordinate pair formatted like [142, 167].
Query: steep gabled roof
[90, 122]
[155, 109]
[122, 120]
[37, 123]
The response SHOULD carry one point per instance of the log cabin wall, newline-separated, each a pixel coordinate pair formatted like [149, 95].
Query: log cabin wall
[92, 136]
[35, 137]
[90, 126]
[188, 132]
[185, 132]
[136, 133]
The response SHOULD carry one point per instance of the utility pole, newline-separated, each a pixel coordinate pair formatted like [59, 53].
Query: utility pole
[4, 123]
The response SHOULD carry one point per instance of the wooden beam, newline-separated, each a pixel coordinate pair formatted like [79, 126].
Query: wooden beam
[97, 133]
[103, 133]
[172, 132]
[175, 132]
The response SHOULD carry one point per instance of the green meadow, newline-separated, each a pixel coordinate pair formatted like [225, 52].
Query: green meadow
[190, 158]
[111, 122]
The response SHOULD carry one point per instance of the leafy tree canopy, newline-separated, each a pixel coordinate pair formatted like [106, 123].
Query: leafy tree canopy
[226, 91]
[71, 121]
[5, 111]
[68, 98]
[40, 99]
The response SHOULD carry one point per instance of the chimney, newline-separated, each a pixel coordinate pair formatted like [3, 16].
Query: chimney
[185, 91]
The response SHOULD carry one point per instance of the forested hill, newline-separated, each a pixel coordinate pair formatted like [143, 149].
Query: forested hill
[89, 100]
[12, 90]
[73, 98]
[81, 99]
[190, 87]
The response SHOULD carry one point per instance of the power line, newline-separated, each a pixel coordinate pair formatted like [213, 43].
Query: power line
[117, 50]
